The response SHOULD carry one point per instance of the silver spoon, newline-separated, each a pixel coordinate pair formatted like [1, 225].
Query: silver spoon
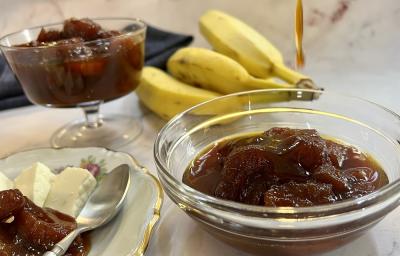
[101, 207]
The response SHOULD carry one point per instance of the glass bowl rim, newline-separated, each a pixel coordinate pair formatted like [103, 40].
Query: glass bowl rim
[138, 31]
[325, 210]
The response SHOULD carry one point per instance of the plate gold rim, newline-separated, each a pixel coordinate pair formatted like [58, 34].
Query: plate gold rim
[156, 210]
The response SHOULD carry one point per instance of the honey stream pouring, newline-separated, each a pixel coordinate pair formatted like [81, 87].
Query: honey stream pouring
[299, 34]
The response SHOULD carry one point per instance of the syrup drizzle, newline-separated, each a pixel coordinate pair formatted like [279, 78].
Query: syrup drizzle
[299, 35]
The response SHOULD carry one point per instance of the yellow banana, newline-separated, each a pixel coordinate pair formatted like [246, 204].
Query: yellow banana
[166, 96]
[235, 39]
[213, 71]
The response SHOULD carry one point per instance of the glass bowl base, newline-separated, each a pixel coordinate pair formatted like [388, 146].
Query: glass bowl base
[111, 131]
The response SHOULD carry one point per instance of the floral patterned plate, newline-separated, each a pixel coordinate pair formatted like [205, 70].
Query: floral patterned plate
[129, 233]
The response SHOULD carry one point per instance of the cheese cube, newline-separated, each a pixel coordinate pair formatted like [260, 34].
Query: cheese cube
[35, 183]
[70, 191]
[5, 183]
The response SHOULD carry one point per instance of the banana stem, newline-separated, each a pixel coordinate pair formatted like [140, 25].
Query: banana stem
[287, 74]
[259, 83]
[308, 84]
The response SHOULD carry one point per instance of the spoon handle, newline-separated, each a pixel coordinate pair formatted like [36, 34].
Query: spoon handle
[61, 247]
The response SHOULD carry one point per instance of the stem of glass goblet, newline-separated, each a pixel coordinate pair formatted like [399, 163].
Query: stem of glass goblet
[91, 112]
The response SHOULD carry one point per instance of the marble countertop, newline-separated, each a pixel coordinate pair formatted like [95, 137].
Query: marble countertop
[351, 47]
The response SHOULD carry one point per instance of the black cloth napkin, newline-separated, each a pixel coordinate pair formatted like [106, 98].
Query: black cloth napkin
[160, 45]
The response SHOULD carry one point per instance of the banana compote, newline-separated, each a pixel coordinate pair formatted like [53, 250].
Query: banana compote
[80, 63]
[27, 229]
[284, 167]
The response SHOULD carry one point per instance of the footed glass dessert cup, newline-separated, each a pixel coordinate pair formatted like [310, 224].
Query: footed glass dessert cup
[76, 73]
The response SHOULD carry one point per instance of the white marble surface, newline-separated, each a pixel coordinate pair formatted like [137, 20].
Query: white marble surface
[357, 54]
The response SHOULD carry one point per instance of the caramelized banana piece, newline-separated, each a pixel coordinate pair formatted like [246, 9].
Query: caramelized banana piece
[11, 201]
[44, 227]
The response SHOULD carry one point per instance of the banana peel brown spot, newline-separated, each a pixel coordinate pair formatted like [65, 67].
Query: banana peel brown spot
[183, 61]
[165, 116]
[201, 67]
[182, 75]
[237, 78]
[198, 85]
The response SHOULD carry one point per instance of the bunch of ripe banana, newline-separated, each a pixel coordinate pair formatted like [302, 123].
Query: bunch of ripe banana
[242, 60]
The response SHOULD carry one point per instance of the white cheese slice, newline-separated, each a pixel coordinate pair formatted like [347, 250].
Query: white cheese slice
[35, 183]
[5, 183]
[70, 191]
